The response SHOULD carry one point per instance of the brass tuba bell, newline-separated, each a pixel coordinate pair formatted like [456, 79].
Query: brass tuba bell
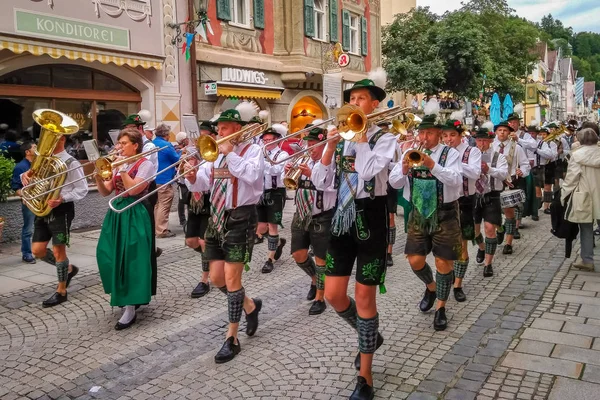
[54, 124]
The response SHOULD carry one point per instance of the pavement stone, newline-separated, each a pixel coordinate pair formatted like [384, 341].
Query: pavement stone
[66, 350]
[569, 389]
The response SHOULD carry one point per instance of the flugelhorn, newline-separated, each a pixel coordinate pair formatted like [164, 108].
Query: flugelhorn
[292, 177]
[209, 147]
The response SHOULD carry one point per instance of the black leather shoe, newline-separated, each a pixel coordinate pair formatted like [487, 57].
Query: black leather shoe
[201, 289]
[228, 351]
[535, 218]
[279, 250]
[318, 307]
[517, 235]
[480, 256]
[547, 211]
[54, 300]
[500, 236]
[268, 267]
[440, 322]
[357, 358]
[428, 301]
[390, 260]
[252, 318]
[258, 239]
[74, 271]
[362, 391]
[312, 292]
[119, 326]
[488, 271]
[507, 249]
[158, 252]
[459, 295]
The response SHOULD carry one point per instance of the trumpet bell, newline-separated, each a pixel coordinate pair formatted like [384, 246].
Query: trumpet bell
[208, 148]
[415, 157]
[290, 183]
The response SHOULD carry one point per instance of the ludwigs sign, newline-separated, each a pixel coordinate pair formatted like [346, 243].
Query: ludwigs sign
[243, 76]
[36, 24]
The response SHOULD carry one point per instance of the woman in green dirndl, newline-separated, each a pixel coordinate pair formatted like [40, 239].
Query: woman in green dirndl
[125, 252]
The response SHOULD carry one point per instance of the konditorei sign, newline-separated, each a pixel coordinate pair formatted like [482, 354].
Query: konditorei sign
[243, 76]
[53, 27]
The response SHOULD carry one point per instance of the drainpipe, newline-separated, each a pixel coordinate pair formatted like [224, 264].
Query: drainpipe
[194, 75]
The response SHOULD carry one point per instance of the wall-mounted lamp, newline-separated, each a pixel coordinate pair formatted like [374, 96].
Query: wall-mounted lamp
[304, 113]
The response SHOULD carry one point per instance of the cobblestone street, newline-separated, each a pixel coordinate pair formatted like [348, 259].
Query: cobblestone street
[527, 333]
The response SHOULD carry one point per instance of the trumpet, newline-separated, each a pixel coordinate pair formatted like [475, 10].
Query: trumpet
[209, 147]
[352, 124]
[415, 157]
[292, 177]
[104, 167]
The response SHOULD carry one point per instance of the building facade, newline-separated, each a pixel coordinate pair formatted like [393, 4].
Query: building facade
[97, 61]
[278, 54]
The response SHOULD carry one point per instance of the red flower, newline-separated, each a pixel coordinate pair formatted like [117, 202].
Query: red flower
[457, 123]
[320, 136]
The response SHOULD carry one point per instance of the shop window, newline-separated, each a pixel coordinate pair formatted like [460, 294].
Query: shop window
[320, 11]
[71, 77]
[39, 76]
[240, 13]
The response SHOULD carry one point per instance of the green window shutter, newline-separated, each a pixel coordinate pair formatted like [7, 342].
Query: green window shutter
[224, 10]
[364, 42]
[259, 14]
[309, 18]
[333, 21]
[346, 30]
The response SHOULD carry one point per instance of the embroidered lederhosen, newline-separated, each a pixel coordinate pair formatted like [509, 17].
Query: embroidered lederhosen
[465, 160]
[427, 222]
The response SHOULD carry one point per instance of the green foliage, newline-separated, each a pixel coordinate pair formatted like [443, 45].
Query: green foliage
[7, 165]
[426, 53]
[555, 30]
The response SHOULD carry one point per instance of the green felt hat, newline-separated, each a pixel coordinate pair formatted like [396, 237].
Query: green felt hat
[430, 121]
[208, 126]
[551, 125]
[533, 128]
[316, 133]
[453, 125]
[484, 133]
[133, 119]
[514, 116]
[232, 115]
[544, 129]
[377, 92]
[504, 124]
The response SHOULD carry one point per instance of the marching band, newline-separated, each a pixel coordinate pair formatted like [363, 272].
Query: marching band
[237, 177]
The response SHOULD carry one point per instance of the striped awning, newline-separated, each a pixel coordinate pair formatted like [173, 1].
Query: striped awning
[249, 91]
[73, 53]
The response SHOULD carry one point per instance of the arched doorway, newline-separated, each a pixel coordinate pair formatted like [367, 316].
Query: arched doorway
[98, 101]
[304, 110]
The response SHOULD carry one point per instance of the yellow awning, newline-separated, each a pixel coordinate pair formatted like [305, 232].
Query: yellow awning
[19, 47]
[248, 92]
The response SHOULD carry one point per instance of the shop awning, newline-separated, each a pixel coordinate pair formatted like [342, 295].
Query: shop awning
[73, 53]
[246, 90]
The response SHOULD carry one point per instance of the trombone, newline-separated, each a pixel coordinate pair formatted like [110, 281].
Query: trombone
[103, 166]
[149, 179]
[209, 147]
[352, 124]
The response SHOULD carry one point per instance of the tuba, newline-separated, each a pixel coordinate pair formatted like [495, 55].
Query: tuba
[54, 124]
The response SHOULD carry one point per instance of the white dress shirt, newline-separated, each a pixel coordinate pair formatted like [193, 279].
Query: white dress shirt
[368, 164]
[275, 170]
[498, 172]
[247, 169]
[450, 174]
[77, 190]
[527, 141]
[472, 168]
[329, 191]
[153, 158]
[566, 148]
[519, 160]
[545, 152]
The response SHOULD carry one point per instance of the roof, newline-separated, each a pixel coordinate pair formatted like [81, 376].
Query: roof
[589, 89]
[540, 50]
[566, 67]
[551, 61]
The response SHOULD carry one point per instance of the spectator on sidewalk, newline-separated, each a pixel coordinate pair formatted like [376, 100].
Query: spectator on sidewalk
[28, 150]
[166, 158]
[581, 181]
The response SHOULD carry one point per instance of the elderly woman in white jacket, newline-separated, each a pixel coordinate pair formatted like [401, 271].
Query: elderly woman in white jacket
[583, 183]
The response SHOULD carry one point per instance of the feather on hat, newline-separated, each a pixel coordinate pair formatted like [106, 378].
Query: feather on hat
[247, 110]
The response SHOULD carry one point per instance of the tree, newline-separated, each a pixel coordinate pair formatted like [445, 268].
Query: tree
[555, 28]
[482, 7]
[583, 67]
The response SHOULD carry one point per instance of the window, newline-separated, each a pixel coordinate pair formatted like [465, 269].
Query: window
[354, 34]
[320, 20]
[240, 13]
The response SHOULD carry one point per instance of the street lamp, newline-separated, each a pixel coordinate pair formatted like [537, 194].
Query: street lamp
[199, 25]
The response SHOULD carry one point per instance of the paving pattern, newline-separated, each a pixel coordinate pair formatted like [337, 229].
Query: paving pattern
[72, 351]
